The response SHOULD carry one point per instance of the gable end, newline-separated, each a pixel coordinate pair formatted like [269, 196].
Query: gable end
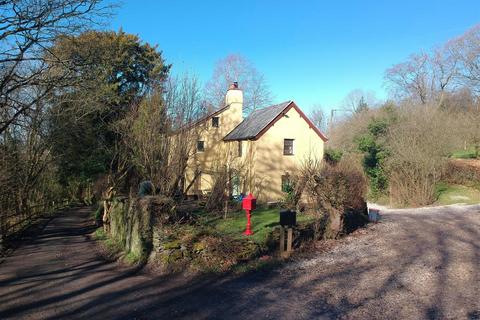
[302, 115]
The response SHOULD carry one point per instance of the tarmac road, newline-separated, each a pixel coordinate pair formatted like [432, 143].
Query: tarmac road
[414, 264]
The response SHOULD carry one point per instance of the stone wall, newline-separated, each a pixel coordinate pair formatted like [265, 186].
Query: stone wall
[131, 225]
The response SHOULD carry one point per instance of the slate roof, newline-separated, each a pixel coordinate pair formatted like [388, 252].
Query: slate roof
[251, 126]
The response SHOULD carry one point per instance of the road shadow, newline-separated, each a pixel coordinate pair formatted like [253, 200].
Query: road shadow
[416, 266]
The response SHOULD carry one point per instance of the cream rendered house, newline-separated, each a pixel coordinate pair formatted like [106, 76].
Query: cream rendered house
[259, 152]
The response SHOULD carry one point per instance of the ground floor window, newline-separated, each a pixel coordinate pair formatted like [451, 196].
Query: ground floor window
[236, 187]
[287, 185]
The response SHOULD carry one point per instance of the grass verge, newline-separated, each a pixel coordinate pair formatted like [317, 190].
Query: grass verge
[112, 249]
[452, 194]
[465, 154]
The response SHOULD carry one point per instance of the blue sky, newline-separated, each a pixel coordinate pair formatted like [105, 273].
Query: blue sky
[313, 52]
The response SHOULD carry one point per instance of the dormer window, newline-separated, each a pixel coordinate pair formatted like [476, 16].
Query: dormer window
[200, 146]
[215, 122]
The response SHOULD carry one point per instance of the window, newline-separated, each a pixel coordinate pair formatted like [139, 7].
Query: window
[236, 185]
[287, 185]
[200, 146]
[288, 147]
[239, 148]
[215, 122]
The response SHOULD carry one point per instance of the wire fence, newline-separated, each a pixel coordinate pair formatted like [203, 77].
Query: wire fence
[15, 223]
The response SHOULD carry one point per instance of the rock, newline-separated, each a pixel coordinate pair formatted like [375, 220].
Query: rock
[175, 256]
[171, 245]
[247, 250]
[199, 247]
[171, 256]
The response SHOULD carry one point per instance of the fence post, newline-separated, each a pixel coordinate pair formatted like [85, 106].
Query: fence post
[282, 240]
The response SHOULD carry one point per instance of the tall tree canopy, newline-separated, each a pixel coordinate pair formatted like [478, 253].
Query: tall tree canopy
[112, 71]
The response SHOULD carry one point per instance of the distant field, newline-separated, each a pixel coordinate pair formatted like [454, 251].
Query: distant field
[464, 154]
[451, 194]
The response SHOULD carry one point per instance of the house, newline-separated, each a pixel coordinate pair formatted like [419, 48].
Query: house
[258, 153]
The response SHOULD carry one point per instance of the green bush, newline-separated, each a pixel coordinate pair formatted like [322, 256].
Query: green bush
[98, 214]
[100, 234]
[332, 156]
[375, 153]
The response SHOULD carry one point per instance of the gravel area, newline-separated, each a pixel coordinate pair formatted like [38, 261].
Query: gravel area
[413, 264]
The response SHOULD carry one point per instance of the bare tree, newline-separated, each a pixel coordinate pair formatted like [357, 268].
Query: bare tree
[183, 100]
[359, 100]
[27, 172]
[444, 69]
[428, 77]
[27, 30]
[237, 68]
[185, 106]
[157, 139]
[28, 82]
[319, 118]
[411, 79]
[466, 50]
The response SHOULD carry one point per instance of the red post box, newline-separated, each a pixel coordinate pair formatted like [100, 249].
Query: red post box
[249, 203]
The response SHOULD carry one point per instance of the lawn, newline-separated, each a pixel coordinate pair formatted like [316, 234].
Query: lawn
[263, 222]
[451, 194]
[465, 154]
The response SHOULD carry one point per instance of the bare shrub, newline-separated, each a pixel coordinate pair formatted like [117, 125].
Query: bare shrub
[302, 182]
[336, 191]
[218, 195]
[418, 146]
[344, 132]
[460, 171]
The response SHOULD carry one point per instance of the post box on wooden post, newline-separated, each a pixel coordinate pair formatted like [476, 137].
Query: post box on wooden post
[288, 219]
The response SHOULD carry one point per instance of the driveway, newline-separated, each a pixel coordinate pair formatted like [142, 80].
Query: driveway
[414, 264]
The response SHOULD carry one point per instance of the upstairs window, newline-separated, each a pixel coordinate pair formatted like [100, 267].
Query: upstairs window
[215, 122]
[200, 146]
[288, 147]
[239, 148]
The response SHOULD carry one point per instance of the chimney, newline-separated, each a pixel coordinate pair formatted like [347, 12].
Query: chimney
[234, 95]
[234, 99]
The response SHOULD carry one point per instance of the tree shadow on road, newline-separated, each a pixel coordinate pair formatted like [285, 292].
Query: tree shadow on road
[418, 266]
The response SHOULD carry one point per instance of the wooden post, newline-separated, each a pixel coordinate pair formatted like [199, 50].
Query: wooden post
[289, 240]
[282, 240]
